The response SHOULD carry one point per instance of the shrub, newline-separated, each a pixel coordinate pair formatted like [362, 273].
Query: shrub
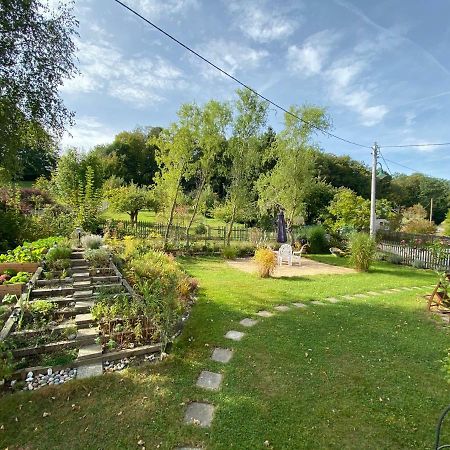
[266, 260]
[91, 241]
[30, 251]
[362, 251]
[98, 257]
[317, 239]
[58, 252]
[418, 264]
[394, 259]
[229, 252]
[200, 229]
[245, 250]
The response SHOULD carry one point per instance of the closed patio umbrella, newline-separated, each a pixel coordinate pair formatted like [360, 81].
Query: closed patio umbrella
[281, 228]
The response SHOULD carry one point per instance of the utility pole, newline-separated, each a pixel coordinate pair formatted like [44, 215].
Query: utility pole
[373, 189]
[431, 210]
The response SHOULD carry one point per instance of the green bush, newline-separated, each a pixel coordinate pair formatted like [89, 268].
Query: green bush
[418, 264]
[394, 259]
[58, 252]
[229, 252]
[317, 239]
[200, 229]
[98, 257]
[362, 251]
[30, 251]
[91, 241]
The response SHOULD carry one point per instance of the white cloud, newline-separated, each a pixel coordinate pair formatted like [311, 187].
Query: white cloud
[231, 56]
[87, 132]
[346, 89]
[262, 24]
[343, 78]
[106, 69]
[157, 8]
[310, 58]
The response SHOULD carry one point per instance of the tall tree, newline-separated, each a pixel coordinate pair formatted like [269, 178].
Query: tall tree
[36, 56]
[213, 119]
[176, 146]
[249, 121]
[290, 182]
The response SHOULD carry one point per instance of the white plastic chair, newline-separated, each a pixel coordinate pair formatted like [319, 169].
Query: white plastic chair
[285, 254]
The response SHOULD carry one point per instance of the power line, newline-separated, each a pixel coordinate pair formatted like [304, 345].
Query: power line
[387, 167]
[401, 165]
[235, 79]
[413, 145]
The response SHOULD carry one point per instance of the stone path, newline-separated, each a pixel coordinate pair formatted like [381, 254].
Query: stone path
[202, 413]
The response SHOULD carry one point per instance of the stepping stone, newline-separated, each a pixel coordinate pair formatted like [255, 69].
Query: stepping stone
[316, 302]
[395, 290]
[188, 448]
[361, 296]
[299, 305]
[87, 333]
[200, 414]
[282, 308]
[386, 291]
[416, 287]
[348, 297]
[82, 284]
[248, 322]
[209, 380]
[84, 305]
[83, 319]
[373, 293]
[85, 293]
[264, 314]
[222, 355]
[332, 300]
[406, 288]
[89, 351]
[90, 370]
[80, 275]
[235, 335]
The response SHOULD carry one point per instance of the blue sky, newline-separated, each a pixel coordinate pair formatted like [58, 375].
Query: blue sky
[381, 69]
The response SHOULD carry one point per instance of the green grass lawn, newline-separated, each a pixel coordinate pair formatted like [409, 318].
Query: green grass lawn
[360, 374]
[151, 216]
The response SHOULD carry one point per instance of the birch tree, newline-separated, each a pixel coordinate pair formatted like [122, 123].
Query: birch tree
[289, 183]
[243, 151]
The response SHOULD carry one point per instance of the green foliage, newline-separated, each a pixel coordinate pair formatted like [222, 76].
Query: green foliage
[200, 229]
[21, 277]
[98, 257]
[290, 181]
[58, 252]
[91, 241]
[362, 251]
[266, 261]
[229, 252]
[6, 362]
[394, 259]
[36, 53]
[42, 310]
[130, 199]
[317, 239]
[30, 251]
[415, 221]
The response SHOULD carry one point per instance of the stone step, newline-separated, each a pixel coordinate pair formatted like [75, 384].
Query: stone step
[87, 333]
[119, 286]
[83, 306]
[83, 284]
[90, 370]
[50, 292]
[106, 279]
[81, 276]
[77, 263]
[85, 293]
[83, 320]
[89, 351]
[77, 255]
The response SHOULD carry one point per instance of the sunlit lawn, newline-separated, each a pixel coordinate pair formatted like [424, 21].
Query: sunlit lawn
[359, 374]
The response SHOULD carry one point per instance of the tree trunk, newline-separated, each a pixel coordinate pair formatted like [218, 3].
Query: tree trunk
[197, 201]
[133, 217]
[233, 217]
[172, 210]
